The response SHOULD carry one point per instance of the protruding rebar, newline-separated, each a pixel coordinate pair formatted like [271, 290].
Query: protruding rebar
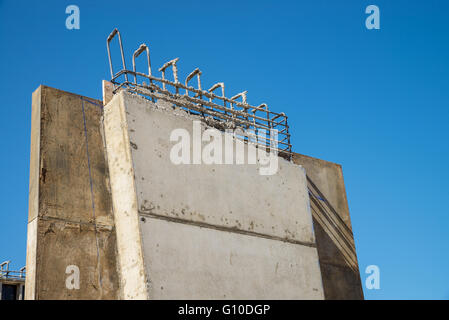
[262, 107]
[202, 101]
[22, 272]
[110, 37]
[196, 72]
[3, 264]
[216, 86]
[171, 63]
[241, 95]
[142, 47]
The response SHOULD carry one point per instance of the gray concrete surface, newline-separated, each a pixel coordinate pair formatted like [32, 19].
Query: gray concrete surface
[204, 213]
[176, 231]
[230, 196]
[187, 261]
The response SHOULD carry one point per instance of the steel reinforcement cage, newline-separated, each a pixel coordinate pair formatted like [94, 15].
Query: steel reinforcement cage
[258, 124]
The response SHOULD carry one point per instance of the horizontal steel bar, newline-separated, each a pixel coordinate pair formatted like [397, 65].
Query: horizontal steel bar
[170, 97]
[237, 113]
[204, 93]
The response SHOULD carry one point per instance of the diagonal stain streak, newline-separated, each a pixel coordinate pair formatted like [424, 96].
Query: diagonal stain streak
[92, 196]
[333, 224]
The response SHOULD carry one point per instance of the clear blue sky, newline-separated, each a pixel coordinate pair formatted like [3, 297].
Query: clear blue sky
[375, 101]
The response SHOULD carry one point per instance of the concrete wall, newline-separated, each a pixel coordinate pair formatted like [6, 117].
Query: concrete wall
[176, 231]
[70, 215]
[208, 231]
[333, 230]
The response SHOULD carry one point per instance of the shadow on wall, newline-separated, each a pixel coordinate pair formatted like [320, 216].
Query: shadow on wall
[332, 226]
[336, 249]
[335, 228]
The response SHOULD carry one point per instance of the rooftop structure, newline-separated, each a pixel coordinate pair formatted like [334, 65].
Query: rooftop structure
[12, 282]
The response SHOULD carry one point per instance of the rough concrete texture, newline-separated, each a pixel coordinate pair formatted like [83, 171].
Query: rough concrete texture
[333, 230]
[133, 284]
[70, 214]
[197, 217]
[187, 231]
[230, 196]
[193, 262]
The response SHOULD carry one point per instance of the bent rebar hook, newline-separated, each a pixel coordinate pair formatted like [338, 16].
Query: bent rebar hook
[22, 271]
[242, 95]
[216, 86]
[142, 47]
[171, 63]
[110, 37]
[3, 264]
[196, 72]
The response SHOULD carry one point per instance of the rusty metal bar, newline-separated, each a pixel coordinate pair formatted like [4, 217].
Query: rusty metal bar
[216, 86]
[110, 37]
[241, 95]
[171, 63]
[245, 105]
[225, 116]
[209, 95]
[261, 107]
[143, 47]
[180, 85]
[190, 101]
[168, 96]
[196, 72]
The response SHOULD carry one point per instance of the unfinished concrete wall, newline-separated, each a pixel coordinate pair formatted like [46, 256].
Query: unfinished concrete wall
[183, 231]
[333, 230]
[202, 231]
[70, 215]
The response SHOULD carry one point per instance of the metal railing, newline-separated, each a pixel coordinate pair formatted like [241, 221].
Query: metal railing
[260, 125]
[7, 274]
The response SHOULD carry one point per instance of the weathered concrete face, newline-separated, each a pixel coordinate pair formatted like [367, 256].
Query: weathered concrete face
[176, 231]
[333, 231]
[133, 284]
[70, 214]
[198, 230]
[205, 263]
